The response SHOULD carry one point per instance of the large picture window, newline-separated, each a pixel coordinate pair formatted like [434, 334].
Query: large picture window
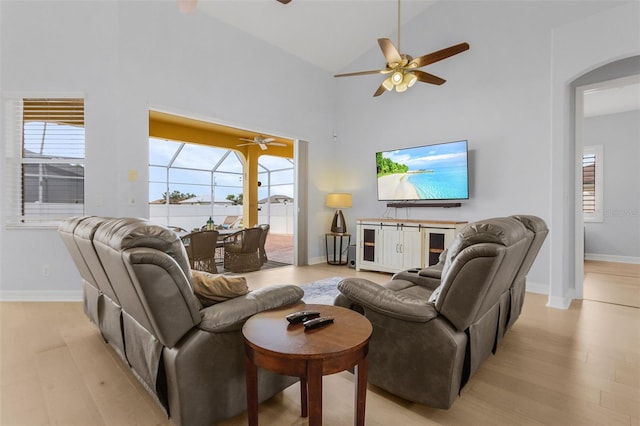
[44, 168]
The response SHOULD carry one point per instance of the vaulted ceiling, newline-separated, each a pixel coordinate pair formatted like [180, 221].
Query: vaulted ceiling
[327, 33]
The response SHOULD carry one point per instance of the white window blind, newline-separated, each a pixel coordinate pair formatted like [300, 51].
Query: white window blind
[45, 160]
[592, 192]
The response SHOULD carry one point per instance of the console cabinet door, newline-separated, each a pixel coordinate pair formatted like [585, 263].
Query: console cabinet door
[435, 242]
[412, 248]
[392, 243]
[369, 247]
[402, 247]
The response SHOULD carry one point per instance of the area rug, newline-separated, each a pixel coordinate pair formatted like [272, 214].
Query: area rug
[321, 292]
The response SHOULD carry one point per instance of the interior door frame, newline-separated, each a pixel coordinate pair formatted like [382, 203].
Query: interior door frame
[301, 202]
[579, 148]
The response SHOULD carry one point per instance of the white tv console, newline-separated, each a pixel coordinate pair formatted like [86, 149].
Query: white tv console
[393, 245]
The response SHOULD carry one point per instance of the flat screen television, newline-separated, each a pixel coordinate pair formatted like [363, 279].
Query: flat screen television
[424, 173]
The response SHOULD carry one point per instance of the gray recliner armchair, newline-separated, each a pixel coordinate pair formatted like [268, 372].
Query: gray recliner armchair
[189, 358]
[430, 335]
[511, 302]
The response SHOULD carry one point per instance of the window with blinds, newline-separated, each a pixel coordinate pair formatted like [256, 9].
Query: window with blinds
[45, 159]
[589, 183]
[592, 183]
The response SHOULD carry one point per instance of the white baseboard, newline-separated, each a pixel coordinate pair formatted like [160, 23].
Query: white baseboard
[318, 260]
[553, 302]
[559, 302]
[537, 288]
[612, 258]
[41, 296]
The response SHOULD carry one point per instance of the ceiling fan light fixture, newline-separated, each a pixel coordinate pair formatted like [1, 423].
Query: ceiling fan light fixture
[397, 77]
[387, 83]
[402, 87]
[409, 79]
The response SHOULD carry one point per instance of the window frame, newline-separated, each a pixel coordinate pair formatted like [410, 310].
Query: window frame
[15, 161]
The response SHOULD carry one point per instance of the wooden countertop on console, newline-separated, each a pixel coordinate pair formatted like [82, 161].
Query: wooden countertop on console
[416, 221]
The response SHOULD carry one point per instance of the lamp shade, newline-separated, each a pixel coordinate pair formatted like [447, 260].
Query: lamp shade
[339, 200]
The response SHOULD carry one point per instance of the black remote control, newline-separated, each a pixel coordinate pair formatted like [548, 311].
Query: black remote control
[302, 316]
[318, 322]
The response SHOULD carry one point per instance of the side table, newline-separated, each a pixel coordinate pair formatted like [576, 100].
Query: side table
[289, 349]
[337, 247]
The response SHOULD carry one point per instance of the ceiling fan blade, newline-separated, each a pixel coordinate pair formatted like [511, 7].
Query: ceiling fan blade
[276, 144]
[389, 51]
[246, 140]
[438, 55]
[425, 77]
[245, 144]
[267, 140]
[263, 146]
[380, 90]
[361, 73]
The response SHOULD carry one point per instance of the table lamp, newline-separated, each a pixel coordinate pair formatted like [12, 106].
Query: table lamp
[338, 201]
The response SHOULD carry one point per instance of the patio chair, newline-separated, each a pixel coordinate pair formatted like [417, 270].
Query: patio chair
[241, 250]
[263, 239]
[201, 250]
[230, 222]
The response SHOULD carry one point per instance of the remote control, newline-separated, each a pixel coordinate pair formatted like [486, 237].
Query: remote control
[302, 316]
[317, 322]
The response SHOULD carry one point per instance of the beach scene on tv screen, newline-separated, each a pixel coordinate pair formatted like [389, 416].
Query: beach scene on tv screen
[432, 172]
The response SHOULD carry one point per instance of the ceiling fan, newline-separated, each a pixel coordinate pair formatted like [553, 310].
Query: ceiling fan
[261, 141]
[403, 69]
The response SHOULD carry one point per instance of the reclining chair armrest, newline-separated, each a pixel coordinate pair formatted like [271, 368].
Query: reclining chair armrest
[387, 302]
[428, 278]
[433, 271]
[232, 314]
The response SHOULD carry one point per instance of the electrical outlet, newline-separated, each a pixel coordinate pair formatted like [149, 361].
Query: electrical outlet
[46, 270]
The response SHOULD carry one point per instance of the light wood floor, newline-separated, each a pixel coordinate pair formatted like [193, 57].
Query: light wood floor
[579, 366]
[611, 282]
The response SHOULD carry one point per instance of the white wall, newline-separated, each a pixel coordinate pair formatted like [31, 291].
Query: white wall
[127, 57]
[578, 47]
[618, 236]
[191, 216]
[508, 96]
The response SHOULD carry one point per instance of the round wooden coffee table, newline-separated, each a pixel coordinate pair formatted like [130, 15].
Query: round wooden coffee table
[275, 345]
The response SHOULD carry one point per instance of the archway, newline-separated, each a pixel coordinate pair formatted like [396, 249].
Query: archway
[611, 74]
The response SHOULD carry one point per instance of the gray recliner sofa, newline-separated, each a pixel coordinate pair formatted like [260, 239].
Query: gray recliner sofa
[432, 331]
[137, 289]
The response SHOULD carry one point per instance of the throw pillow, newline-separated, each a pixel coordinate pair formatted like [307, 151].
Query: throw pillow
[214, 288]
